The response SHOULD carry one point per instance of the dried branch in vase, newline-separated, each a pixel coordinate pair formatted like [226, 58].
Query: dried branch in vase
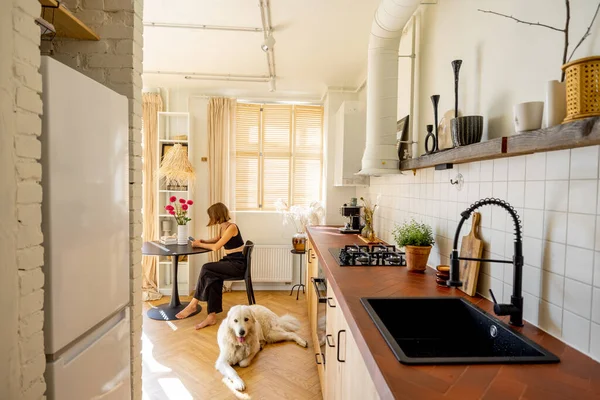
[564, 31]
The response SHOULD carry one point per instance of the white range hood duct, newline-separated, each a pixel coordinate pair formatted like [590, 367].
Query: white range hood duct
[380, 156]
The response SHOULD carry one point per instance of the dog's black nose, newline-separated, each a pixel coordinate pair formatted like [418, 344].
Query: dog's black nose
[242, 332]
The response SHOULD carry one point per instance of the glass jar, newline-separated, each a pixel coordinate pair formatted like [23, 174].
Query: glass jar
[299, 242]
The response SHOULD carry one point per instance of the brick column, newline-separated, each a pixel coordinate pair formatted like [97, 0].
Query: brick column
[116, 61]
[22, 360]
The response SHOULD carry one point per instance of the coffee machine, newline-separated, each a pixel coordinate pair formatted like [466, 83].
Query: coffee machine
[353, 215]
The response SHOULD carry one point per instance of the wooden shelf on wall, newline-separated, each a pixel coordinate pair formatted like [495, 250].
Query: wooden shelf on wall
[585, 132]
[66, 24]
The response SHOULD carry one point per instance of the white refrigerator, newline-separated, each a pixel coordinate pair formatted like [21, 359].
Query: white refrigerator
[85, 211]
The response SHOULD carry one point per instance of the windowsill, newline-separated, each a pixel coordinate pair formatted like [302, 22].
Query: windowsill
[581, 133]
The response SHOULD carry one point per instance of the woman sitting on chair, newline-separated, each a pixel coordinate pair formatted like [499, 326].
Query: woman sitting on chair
[210, 281]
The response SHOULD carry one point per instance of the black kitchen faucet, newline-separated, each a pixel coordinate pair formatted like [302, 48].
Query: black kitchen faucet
[515, 309]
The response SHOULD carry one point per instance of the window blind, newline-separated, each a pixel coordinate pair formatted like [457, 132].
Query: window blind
[279, 155]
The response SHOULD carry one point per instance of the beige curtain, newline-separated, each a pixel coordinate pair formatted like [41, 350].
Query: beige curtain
[151, 105]
[221, 160]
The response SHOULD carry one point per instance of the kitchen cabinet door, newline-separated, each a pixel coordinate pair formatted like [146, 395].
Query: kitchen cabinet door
[333, 368]
[357, 383]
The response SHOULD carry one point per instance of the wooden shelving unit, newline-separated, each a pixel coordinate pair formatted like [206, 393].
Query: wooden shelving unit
[66, 24]
[585, 132]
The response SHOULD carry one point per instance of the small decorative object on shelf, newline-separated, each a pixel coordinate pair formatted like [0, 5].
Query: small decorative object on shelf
[417, 240]
[528, 116]
[583, 94]
[435, 100]
[402, 141]
[468, 129]
[445, 131]
[431, 136]
[179, 209]
[368, 232]
[179, 137]
[166, 228]
[301, 217]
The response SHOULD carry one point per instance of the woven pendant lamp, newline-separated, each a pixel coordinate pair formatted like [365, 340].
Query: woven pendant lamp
[176, 168]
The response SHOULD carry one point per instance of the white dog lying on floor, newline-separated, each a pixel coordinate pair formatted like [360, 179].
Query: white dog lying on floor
[244, 332]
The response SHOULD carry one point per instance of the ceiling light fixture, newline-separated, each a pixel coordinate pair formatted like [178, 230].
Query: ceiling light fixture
[268, 43]
[272, 87]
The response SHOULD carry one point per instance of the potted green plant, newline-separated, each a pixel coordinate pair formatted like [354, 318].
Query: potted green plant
[417, 240]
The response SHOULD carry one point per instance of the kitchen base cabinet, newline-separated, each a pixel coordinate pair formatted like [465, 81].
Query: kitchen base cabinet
[346, 374]
[312, 270]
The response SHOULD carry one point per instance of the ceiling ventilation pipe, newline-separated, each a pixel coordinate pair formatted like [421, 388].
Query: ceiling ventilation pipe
[380, 156]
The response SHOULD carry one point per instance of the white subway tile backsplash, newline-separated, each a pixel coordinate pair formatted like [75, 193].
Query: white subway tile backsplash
[534, 195]
[554, 257]
[500, 169]
[532, 251]
[532, 280]
[486, 171]
[474, 171]
[579, 264]
[596, 305]
[509, 271]
[497, 243]
[533, 223]
[581, 230]
[584, 163]
[578, 298]
[557, 195]
[516, 168]
[535, 167]
[553, 288]
[499, 218]
[582, 196]
[550, 318]
[557, 164]
[597, 269]
[486, 189]
[531, 308]
[473, 195]
[555, 226]
[576, 331]
[500, 189]
[516, 193]
[595, 342]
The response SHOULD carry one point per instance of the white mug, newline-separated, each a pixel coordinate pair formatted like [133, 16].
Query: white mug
[528, 116]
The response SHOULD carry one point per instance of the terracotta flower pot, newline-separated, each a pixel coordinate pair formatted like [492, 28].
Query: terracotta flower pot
[416, 257]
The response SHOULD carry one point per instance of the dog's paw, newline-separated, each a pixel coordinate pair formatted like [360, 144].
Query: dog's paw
[303, 343]
[244, 363]
[238, 383]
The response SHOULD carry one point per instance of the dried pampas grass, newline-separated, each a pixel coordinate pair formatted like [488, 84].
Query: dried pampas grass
[176, 167]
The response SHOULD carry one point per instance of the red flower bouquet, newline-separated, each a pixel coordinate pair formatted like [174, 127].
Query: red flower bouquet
[179, 209]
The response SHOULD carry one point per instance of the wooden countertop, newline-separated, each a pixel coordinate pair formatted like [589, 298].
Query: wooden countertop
[577, 376]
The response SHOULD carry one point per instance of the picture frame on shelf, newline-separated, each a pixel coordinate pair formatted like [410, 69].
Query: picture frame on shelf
[402, 138]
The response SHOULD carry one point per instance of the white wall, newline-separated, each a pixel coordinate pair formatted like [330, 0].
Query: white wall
[555, 193]
[22, 360]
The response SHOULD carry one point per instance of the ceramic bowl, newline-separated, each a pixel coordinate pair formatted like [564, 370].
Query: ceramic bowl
[466, 130]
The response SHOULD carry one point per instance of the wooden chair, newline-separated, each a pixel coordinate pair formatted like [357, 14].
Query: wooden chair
[247, 252]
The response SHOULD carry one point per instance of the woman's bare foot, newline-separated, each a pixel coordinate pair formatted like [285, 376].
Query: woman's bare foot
[187, 311]
[210, 320]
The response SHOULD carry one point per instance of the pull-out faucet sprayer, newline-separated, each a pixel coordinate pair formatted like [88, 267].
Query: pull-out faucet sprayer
[515, 308]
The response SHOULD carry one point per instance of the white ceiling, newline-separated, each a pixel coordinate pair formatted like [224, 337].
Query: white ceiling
[320, 43]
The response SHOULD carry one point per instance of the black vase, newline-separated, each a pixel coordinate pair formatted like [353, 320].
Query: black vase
[456, 68]
[435, 99]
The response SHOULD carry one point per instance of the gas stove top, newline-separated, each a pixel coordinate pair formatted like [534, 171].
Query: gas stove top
[375, 255]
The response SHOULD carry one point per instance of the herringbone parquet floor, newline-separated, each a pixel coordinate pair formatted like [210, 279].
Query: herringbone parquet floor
[178, 361]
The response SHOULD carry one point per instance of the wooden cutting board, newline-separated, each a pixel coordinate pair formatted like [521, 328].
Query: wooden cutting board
[472, 246]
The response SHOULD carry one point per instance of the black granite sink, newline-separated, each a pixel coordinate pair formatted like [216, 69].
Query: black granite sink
[449, 330]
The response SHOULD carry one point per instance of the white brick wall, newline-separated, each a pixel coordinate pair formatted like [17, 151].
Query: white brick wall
[556, 196]
[116, 61]
[22, 360]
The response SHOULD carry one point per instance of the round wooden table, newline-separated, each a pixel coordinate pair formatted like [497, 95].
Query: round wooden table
[167, 312]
